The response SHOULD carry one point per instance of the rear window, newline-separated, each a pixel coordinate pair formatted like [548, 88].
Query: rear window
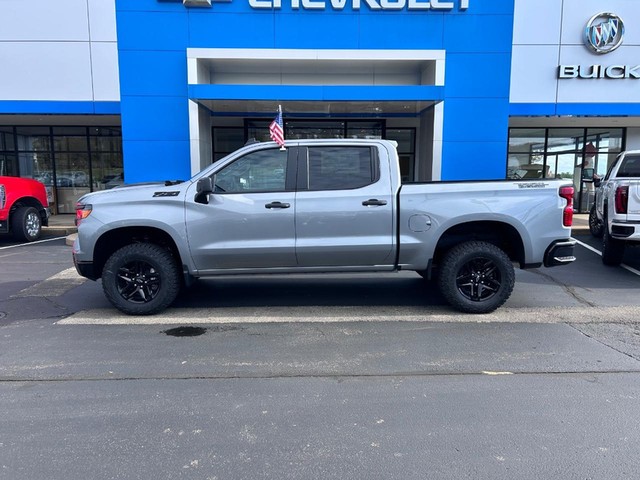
[341, 168]
[630, 166]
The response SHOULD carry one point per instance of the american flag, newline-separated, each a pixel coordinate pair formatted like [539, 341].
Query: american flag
[276, 130]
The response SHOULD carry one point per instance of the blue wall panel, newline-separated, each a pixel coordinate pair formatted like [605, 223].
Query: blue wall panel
[156, 118]
[156, 160]
[221, 30]
[28, 107]
[475, 120]
[165, 73]
[316, 30]
[340, 93]
[480, 75]
[478, 33]
[474, 160]
[152, 31]
[154, 35]
[415, 32]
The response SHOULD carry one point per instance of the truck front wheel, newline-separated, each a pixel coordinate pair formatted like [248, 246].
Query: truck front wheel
[26, 224]
[141, 279]
[476, 277]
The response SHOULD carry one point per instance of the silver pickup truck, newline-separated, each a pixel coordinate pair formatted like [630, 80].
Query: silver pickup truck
[320, 206]
[615, 214]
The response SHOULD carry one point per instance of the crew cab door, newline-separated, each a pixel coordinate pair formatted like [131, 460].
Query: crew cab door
[344, 207]
[248, 222]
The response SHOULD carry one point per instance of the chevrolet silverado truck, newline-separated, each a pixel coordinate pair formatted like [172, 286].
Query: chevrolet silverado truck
[615, 214]
[24, 208]
[320, 206]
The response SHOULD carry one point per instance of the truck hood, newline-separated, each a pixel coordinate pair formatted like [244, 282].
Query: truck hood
[135, 192]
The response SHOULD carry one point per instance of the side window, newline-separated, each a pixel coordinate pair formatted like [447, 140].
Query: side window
[262, 171]
[341, 168]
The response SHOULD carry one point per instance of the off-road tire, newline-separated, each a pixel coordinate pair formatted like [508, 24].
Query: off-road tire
[141, 279]
[612, 248]
[476, 277]
[596, 226]
[26, 224]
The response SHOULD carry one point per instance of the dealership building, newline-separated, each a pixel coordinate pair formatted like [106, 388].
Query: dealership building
[95, 93]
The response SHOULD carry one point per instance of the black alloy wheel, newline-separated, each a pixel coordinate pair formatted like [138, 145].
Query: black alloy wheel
[141, 279]
[476, 277]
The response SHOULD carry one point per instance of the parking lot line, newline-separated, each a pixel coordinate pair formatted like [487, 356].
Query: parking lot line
[438, 314]
[31, 243]
[53, 286]
[598, 252]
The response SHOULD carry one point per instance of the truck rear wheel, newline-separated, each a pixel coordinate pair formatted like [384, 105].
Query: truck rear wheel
[476, 277]
[596, 226]
[26, 224]
[612, 249]
[141, 279]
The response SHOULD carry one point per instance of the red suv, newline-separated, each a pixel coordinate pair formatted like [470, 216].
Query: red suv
[24, 208]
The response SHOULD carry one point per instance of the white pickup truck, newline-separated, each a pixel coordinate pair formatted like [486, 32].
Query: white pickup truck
[320, 206]
[615, 214]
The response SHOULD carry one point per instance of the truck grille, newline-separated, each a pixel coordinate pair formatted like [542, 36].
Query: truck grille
[3, 197]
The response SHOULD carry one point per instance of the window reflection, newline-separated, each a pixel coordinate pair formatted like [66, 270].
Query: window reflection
[70, 161]
[575, 154]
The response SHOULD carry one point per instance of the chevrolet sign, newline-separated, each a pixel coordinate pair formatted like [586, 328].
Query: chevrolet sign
[356, 4]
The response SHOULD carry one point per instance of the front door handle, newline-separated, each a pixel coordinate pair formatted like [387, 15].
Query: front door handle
[373, 202]
[277, 205]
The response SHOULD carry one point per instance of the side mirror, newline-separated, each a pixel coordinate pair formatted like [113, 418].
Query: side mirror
[597, 181]
[204, 187]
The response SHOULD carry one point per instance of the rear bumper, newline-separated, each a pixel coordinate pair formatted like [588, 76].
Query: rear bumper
[626, 230]
[560, 252]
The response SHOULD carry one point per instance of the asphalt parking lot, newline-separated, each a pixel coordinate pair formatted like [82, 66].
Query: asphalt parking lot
[322, 376]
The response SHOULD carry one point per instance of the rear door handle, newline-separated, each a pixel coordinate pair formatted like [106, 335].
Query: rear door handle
[373, 202]
[277, 205]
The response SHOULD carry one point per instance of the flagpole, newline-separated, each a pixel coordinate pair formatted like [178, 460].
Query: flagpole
[282, 147]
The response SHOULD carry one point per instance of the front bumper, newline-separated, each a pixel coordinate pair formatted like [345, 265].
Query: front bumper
[84, 269]
[560, 252]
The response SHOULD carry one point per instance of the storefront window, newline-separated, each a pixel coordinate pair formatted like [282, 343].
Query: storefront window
[70, 161]
[406, 138]
[226, 140]
[575, 154]
[526, 153]
[7, 164]
[6, 139]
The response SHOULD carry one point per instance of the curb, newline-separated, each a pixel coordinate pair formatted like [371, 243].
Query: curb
[59, 231]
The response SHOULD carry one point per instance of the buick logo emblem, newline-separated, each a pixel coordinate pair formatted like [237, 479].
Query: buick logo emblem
[604, 32]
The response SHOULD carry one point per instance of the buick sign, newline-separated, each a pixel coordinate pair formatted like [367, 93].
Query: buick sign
[604, 32]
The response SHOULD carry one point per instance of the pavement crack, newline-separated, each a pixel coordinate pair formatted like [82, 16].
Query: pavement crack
[575, 327]
[567, 288]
